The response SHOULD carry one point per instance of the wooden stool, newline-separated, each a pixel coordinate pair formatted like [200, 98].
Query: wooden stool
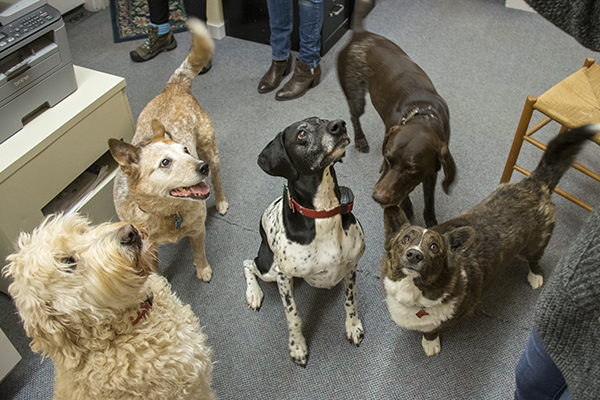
[573, 102]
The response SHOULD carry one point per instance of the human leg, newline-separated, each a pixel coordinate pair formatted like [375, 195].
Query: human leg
[195, 8]
[311, 23]
[159, 15]
[281, 22]
[536, 375]
[159, 11]
[307, 73]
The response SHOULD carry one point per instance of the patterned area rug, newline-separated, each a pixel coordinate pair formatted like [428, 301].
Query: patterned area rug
[130, 18]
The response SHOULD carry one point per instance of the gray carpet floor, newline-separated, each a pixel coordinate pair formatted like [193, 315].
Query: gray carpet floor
[484, 60]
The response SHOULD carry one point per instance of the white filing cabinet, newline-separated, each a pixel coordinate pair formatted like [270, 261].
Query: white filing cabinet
[53, 149]
[10, 356]
[64, 6]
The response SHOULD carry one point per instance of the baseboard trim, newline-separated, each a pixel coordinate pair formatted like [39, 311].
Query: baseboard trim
[217, 31]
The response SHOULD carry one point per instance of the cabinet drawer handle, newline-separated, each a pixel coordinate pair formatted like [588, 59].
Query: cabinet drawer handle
[336, 10]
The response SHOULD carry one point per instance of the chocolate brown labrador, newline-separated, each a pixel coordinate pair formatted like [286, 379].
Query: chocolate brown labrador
[416, 117]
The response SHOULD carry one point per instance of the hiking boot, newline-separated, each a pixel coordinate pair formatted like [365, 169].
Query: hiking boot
[154, 45]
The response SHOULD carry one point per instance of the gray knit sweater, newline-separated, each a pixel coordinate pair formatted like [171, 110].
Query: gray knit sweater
[579, 18]
[568, 313]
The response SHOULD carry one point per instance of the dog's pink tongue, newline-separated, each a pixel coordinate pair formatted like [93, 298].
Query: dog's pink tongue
[200, 189]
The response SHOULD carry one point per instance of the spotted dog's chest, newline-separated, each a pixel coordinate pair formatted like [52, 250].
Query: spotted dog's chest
[325, 261]
[411, 310]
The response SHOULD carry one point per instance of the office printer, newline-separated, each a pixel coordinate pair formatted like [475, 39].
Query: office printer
[36, 68]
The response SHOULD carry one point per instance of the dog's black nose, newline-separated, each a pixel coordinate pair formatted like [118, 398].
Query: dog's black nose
[414, 256]
[129, 236]
[202, 168]
[337, 127]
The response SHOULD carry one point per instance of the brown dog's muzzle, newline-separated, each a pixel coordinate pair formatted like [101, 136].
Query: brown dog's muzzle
[381, 196]
[386, 191]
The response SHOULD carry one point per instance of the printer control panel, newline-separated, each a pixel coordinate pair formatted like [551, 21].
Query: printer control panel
[27, 25]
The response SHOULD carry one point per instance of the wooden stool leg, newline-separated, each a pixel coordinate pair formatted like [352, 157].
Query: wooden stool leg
[518, 140]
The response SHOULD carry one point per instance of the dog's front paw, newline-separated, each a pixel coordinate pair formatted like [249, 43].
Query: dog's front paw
[222, 207]
[362, 145]
[298, 350]
[536, 281]
[205, 273]
[254, 298]
[254, 295]
[354, 331]
[431, 347]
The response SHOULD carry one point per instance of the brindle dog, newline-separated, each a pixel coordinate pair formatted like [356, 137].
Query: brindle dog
[434, 276]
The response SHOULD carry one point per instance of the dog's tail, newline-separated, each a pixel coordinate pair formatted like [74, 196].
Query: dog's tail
[361, 9]
[200, 55]
[561, 153]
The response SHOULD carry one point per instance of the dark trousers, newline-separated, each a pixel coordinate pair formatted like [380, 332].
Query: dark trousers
[159, 10]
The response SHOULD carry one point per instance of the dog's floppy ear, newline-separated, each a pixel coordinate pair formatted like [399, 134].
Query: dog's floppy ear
[127, 155]
[449, 167]
[274, 160]
[394, 220]
[461, 239]
[50, 335]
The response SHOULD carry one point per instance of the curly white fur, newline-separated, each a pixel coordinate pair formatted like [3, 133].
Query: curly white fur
[78, 288]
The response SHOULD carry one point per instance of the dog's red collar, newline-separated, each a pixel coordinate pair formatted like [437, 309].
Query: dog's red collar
[422, 313]
[146, 306]
[310, 213]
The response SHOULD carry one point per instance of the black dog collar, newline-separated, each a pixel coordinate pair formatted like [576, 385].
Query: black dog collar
[428, 111]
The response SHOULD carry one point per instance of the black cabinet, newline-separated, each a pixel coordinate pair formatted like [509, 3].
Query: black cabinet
[249, 20]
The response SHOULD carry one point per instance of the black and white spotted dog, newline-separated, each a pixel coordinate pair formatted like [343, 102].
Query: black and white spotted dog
[309, 232]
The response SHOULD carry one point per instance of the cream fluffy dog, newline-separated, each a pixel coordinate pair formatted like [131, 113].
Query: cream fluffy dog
[90, 300]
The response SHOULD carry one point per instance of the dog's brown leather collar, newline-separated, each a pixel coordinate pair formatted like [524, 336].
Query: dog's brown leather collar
[417, 111]
[146, 306]
[310, 213]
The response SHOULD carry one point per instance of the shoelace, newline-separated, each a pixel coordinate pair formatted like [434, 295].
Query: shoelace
[152, 35]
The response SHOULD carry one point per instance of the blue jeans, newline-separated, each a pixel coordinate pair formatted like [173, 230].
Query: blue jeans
[281, 21]
[536, 375]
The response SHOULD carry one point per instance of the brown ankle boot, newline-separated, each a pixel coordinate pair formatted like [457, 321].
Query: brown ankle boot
[271, 80]
[302, 80]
